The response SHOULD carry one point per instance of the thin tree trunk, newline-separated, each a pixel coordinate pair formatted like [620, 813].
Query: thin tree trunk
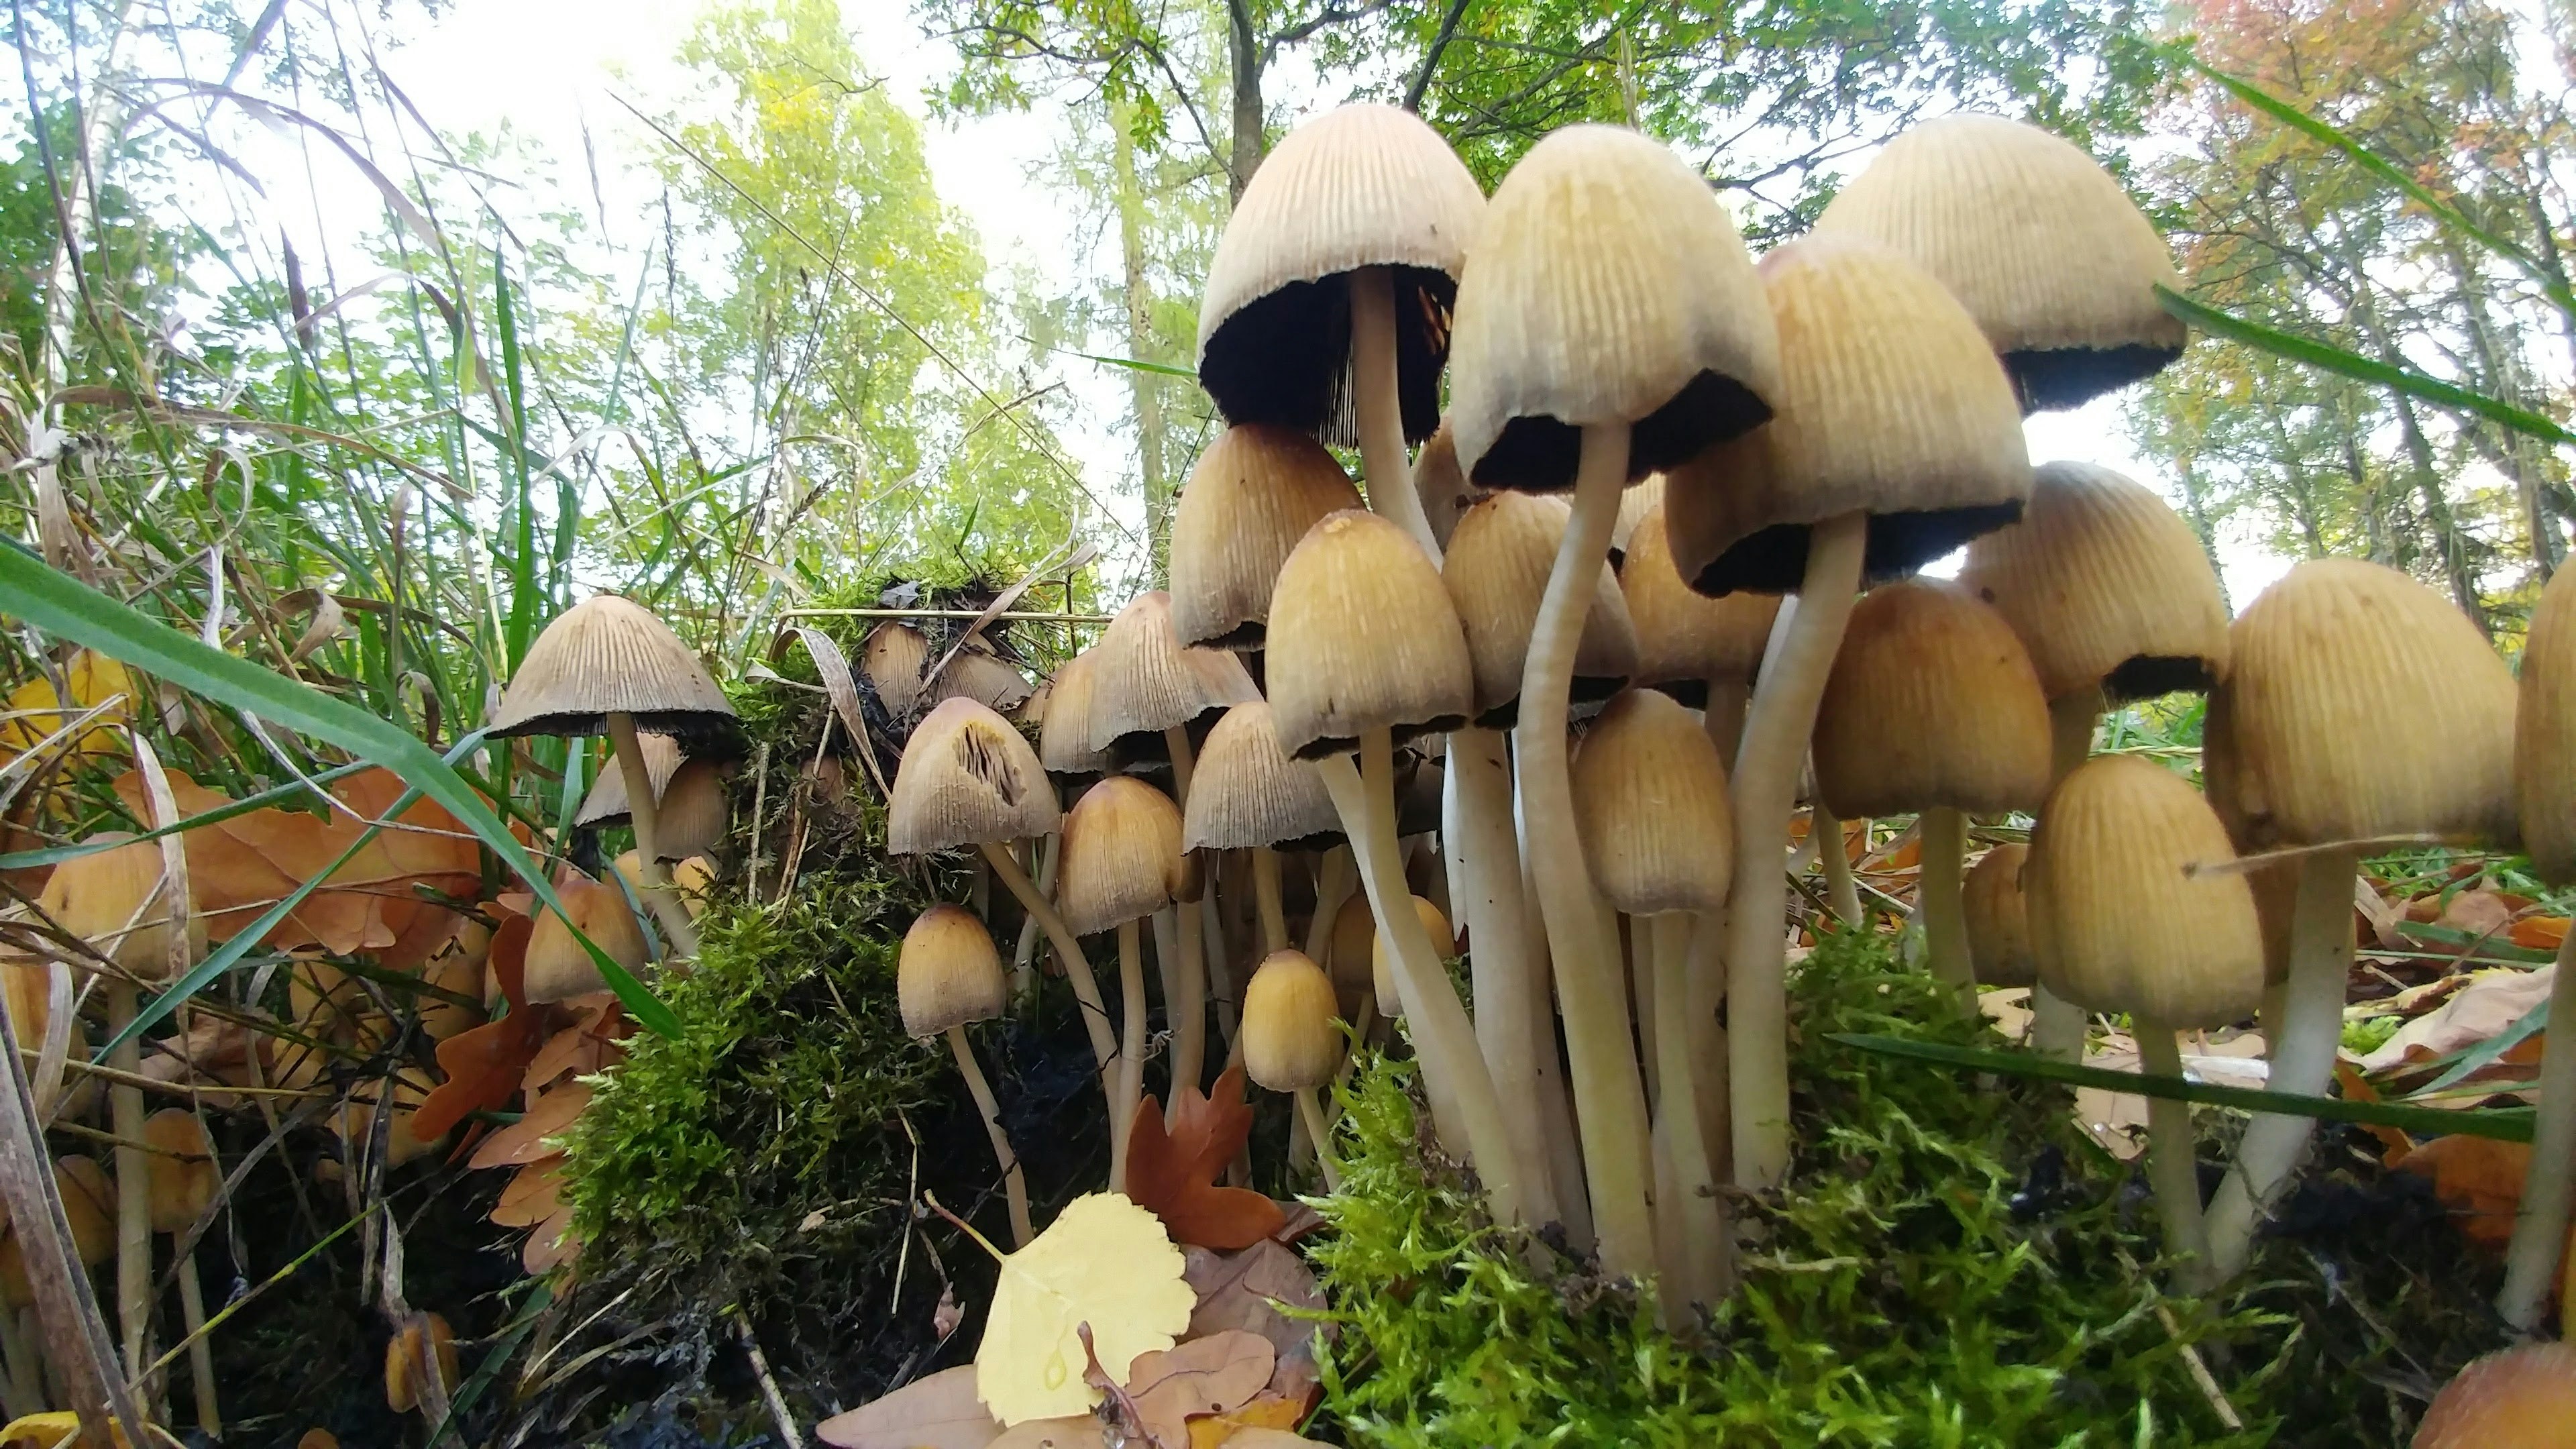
[1246, 58]
[2510, 452]
[1145, 386]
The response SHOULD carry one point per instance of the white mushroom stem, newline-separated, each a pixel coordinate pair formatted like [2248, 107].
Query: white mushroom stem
[1131, 1051]
[1024, 974]
[1703, 991]
[1724, 717]
[1766, 785]
[1014, 1184]
[644, 810]
[1381, 411]
[1550, 1105]
[2057, 1028]
[2540, 1227]
[1319, 1135]
[1939, 896]
[1690, 1218]
[2171, 1168]
[1077, 967]
[1335, 879]
[1637, 937]
[1188, 1010]
[1472, 1116]
[1501, 948]
[133, 1182]
[201, 1351]
[1265, 891]
[1582, 941]
[2303, 1058]
[1220, 980]
[1841, 891]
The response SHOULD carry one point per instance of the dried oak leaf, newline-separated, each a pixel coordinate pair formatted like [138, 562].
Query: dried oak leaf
[1209, 1375]
[1246, 1290]
[531, 1138]
[2479, 1179]
[484, 1065]
[938, 1412]
[1172, 1173]
[1254, 1421]
[533, 1194]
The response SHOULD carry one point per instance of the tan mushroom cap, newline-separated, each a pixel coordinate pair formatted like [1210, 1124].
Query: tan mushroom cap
[2118, 917]
[1358, 186]
[412, 1355]
[2544, 733]
[2518, 1398]
[949, 973]
[1889, 404]
[967, 778]
[1144, 682]
[1445, 492]
[694, 811]
[1608, 286]
[1382, 966]
[2107, 585]
[89, 1205]
[977, 671]
[1363, 636]
[891, 659]
[1254, 493]
[557, 968]
[1496, 572]
[181, 1167]
[1650, 804]
[1998, 917]
[1121, 856]
[1684, 637]
[113, 901]
[2041, 245]
[1932, 702]
[1349, 953]
[1291, 1039]
[606, 655]
[2358, 703]
[1248, 792]
[1064, 730]
[606, 804]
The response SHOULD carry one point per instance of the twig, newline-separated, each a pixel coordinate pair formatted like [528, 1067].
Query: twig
[1431, 58]
[768, 1385]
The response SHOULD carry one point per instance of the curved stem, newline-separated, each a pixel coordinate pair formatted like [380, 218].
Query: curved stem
[1505, 980]
[201, 1351]
[1724, 718]
[645, 810]
[1131, 1051]
[2058, 1027]
[1690, 1218]
[1335, 878]
[1945, 915]
[1638, 936]
[133, 1184]
[2172, 1167]
[1015, 1184]
[1024, 975]
[1265, 890]
[1381, 414]
[1703, 990]
[2540, 1228]
[1319, 1135]
[1766, 785]
[1077, 970]
[1841, 891]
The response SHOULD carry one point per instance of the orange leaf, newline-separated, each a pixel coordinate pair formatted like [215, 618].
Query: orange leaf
[2358, 1088]
[533, 1194]
[1172, 1173]
[1211, 1375]
[1267, 1411]
[2540, 933]
[526, 1140]
[2479, 1179]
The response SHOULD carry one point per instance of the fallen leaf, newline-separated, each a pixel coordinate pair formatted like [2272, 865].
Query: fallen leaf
[551, 1244]
[1073, 1431]
[483, 1066]
[1203, 1376]
[939, 1412]
[1262, 1412]
[2540, 933]
[533, 1195]
[1104, 1262]
[532, 1136]
[2491, 1002]
[2357, 1087]
[35, 710]
[1245, 1290]
[2479, 1179]
[1172, 1174]
[1257, 1437]
[583, 1049]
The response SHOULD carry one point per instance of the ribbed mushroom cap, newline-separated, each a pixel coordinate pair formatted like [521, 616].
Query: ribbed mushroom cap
[1382, 966]
[181, 1167]
[1889, 403]
[1248, 792]
[1358, 186]
[1363, 636]
[1255, 492]
[693, 815]
[2039, 242]
[1496, 572]
[979, 672]
[1998, 917]
[1121, 856]
[1445, 492]
[2519, 1398]
[608, 654]
[1144, 682]
[1608, 286]
[2106, 585]
[1932, 702]
[1291, 1039]
[2359, 703]
[891, 660]
[1064, 732]
[1650, 805]
[2117, 917]
[112, 901]
[967, 778]
[557, 968]
[1684, 637]
[606, 804]
[2544, 733]
[948, 973]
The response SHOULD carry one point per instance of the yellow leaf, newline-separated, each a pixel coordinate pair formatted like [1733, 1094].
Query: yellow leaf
[35, 711]
[1104, 1261]
[60, 1428]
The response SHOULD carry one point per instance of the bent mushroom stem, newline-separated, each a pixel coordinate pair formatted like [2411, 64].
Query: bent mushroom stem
[2303, 1059]
[1319, 1135]
[2540, 1228]
[1945, 918]
[1724, 718]
[1841, 891]
[2057, 1028]
[1689, 1215]
[1131, 1051]
[1335, 879]
[1024, 973]
[1265, 890]
[677, 928]
[1703, 990]
[1014, 1183]
[133, 1182]
[201, 1352]
[1491, 907]
[1077, 967]
[1381, 410]
[1766, 783]
[2171, 1167]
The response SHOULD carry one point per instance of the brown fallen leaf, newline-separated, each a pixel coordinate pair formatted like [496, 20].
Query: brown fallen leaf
[530, 1138]
[2491, 1002]
[1172, 1173]
[938, 1412]
[484, 1064]
[1244, 1290]
[585, 1048]
[2479, 1179]
[1203, 1376]
[1075, 1431]
[551, 1244]
[2540, 933]
[533, 1195]
[1264, 1411]
[1258, 1437]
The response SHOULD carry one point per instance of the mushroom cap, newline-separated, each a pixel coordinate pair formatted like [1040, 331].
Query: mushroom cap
[89, 1206]
[1121, 857]
[1144, 682]
[1646, 496]
[948, 974]
[1998, 916]
[182, 1168]
[1358, 186]
[606, 804]
[1445, 491]
[1064, 730]
[2544, 733]
[605, 655]
[557, 968]
[2106, 585]
[1608, 286]
[1496, 571]
[2357, 704]
[977, 671]
[2042, 246]
[2116, 917]
[1684, 637]
[1932, 702]
[2519, 1398]
[110, 900]
[1363, 636]
[1650, 805]
[693, 813]
[1350, 951]
[1291, 1038]
[1247, 791]
[1255, 492]
[1890, 404]
[967, 778]
[414, 1353]
[891, 659]
[1390, 1002]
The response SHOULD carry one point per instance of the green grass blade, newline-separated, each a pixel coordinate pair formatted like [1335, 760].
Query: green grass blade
[1159, 369]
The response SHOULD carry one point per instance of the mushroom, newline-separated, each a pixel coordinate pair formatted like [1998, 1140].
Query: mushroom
[1385, 988]
[89, 1209]
[608, 663]
[2544, 780]
[1701, 651]
[1896, 441]
[2126, 914]
[1444, 492]
[1252, 495]
[1933, 707]
[183, 1178]
[1495, 572]
[558, 968]
[891, 659]
[1122, 862]
[1327, 301]
[2518, 1398]
[947, 977]
[1998, 917]
[421, 1355]
[1249, 795]
[605, 805]
[2041, 244]
[693, 812]
[1609, 325]
[1292, 1042]
[2358, 704]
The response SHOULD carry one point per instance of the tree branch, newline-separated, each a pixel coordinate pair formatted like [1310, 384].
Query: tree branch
[1431, 57]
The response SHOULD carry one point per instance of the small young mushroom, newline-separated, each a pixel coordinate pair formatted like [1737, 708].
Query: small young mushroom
[693, 812]
[183, 1178]
[1292, 1042]
[947, 978]
[1249, 795]
[557, 968]
[1998, 919]
[1385, 987]
[605, 805]
[424, 1347]
[2544, 777]
[1122, 862]
[1701, 651]
[2519, 1398]
[1251, 496]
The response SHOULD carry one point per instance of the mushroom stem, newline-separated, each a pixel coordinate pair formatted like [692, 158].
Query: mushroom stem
[1841, 891]
[1131, 1051]
[1766, 784]
[645, 812]
[2057, 1028]
[1703, 990]
[1467, 1111]
[1335, 879]
[1560, 1151]
[1024, 974]
[2303, 1057]
[1220, 981]
[1265, 891]
[1939, 898]
[2171, 1165]
[1319, 1135]
[1501, 947]
[1014, 1184]
[1690, 1218]
[1188, 1011]
[1077, 967]
[133, 1183]
[1639, 937]
[1724, 718]
[1381, 411]
[201, 1352]
[2540, 1228]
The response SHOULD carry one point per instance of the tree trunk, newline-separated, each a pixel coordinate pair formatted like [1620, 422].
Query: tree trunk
[1146, 386]
[1247, 58]
[2437, 512]
[2195, 511]
[2509, 451]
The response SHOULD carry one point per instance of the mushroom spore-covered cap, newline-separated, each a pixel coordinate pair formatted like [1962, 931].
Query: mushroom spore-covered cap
[1890, 404]
[1247, 791]
[609, 655]
[1496, 572]
[1255, 492]
[2519, 1398]
[948, 973]
[1144, 682]
[1358, 186]
[1684, 637]
[1121, 857]
[2041, 245]
[1608, 286]
[1363, 636]
[2544, 733]
[1932, 702]
[1650, 807]
[1998, 918]
[967, 778]
[1291, 1039]
[2107, 585]
[1064, 732]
